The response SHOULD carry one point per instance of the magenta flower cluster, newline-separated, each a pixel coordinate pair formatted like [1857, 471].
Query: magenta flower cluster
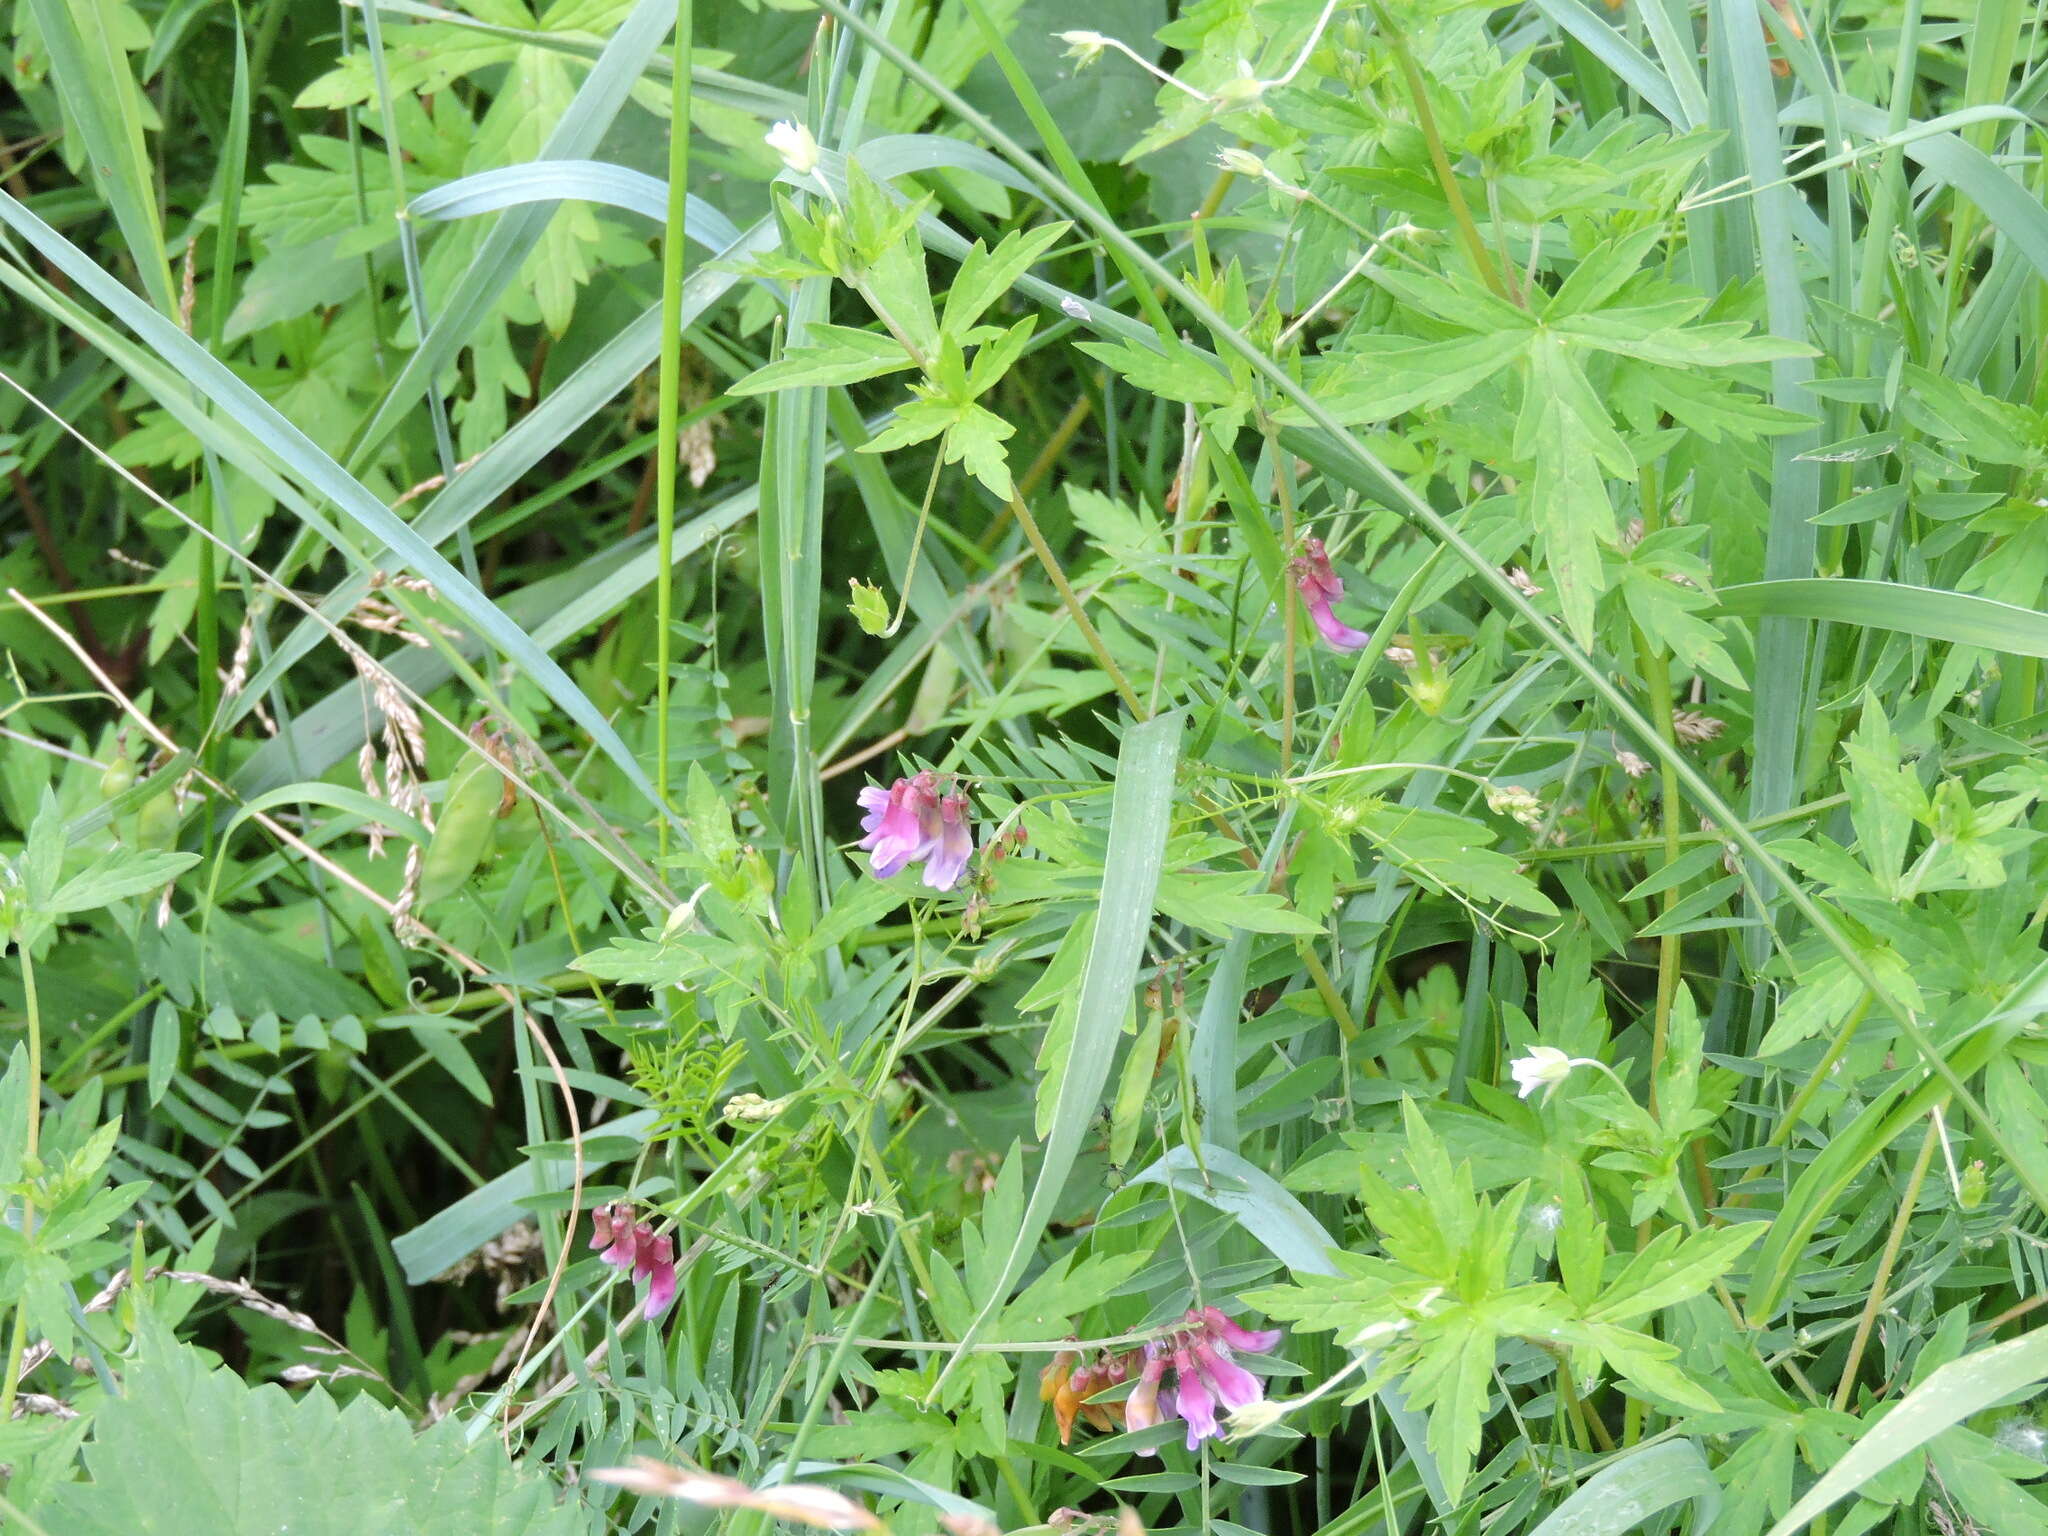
[1205, 1376]
[1190, 1374]
[913, 819]
[1319, 586]
[633, 1245]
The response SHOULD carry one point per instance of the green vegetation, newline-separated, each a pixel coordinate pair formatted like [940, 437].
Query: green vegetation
[1240, 766]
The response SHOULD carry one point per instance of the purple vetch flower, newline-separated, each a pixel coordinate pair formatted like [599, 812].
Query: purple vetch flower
[1234, 1386]
[1319, 586]
[633, 1245]
[947, 861]
[1253, 1341]
[902, 823]
[1192, 1399]
[915, 819]
[1206, 1377]
[1141, 1408]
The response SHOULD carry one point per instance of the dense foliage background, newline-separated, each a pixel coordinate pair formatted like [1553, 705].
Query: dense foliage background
[1260, 765]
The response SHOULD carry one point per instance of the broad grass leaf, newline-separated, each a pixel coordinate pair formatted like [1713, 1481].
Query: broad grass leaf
[1948, 1396]
[1628, 1492]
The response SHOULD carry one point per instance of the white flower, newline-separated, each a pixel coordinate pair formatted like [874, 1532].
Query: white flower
[1083, 46]
[1544, 1067]
[793, 141]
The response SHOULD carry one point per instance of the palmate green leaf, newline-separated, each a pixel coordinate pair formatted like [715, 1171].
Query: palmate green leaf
[190, 1447]
[1402, 374]
[1567, 495]
[1675, 1267]
[1216, 902]
[1443, 852]
[1670, 615]
[986, 275]
[975, 441]
[1643, 335]
[1645, 1364]
[839, 355]
[1171, 371]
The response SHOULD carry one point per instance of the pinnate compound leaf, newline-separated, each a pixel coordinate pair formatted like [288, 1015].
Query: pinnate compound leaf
[1567, 495]
[189, 1447]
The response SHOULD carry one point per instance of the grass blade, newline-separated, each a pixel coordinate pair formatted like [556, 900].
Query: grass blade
[1961, 618]
[298, 453]
[1642, 1484]
[597, 103]
[1140, 816]
[1950, 1394]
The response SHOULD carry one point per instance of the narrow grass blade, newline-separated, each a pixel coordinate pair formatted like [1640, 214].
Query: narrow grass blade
[1642, 1484]
[1140, 816]
[2017, 213]
[629, 353]
[304, 458]
[1959, 617]
[449, 1236]
[549, 181]
[1597, 35]
[1950, 1394]
[597, 103]
[98, 88]
[1782, 640]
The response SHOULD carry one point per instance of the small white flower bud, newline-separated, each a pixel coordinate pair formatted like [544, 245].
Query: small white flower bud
[793, 141]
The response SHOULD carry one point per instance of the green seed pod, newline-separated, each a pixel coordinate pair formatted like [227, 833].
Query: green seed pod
[118, 778]
[1140, 1065]
[156, 824]
[464, 833]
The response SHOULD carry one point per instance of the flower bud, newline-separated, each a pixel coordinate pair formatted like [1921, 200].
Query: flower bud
[793, 141]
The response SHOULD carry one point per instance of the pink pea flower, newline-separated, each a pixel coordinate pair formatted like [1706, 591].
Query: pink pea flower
[1192, 1399]
[914, 819]
[902, 823]
[1253, 1341]
[633, 1245]
[1234, 1386]
[1206, 1378]
[1319, 587]
[947, 861]
[1141, 1408]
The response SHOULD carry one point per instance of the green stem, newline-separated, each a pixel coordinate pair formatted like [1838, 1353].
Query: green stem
[1425, 121]
[672, 241]
[1289, 608]
[1657, 679]
[1065, 589]
[1885, 1261]
[31, 1140]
